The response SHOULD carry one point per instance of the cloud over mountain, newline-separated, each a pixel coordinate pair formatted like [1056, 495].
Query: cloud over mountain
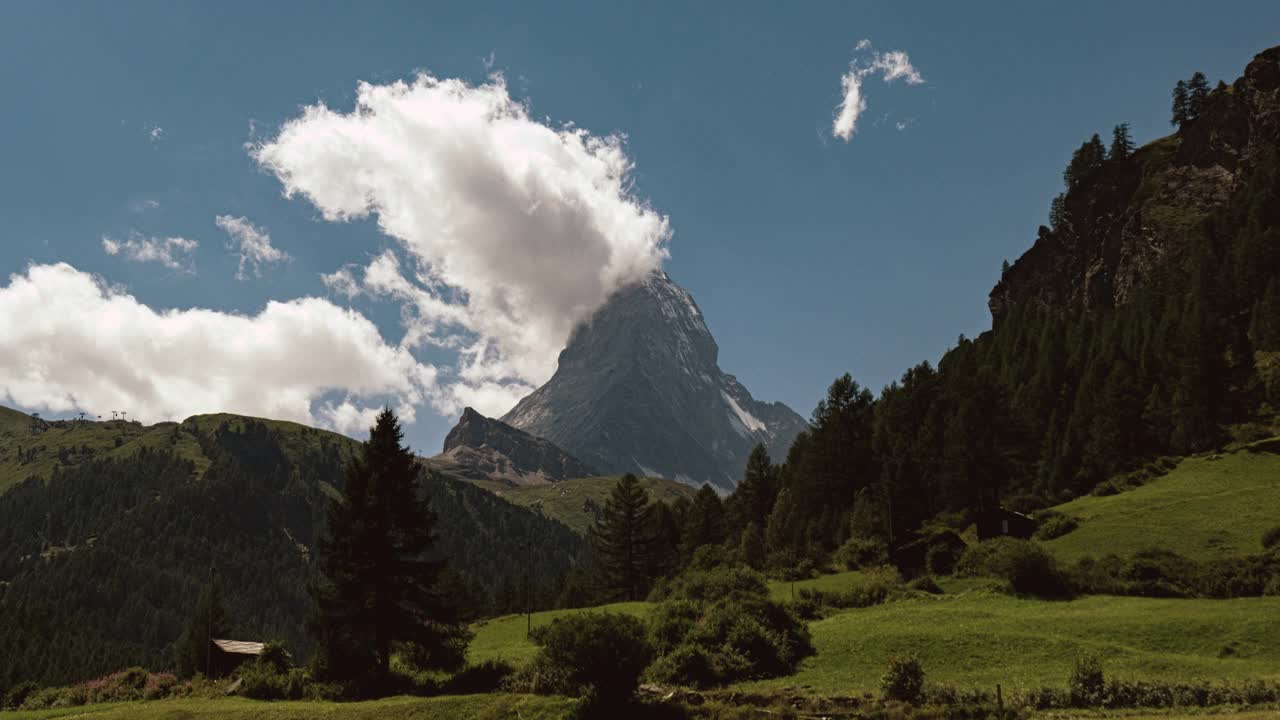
[512, 230]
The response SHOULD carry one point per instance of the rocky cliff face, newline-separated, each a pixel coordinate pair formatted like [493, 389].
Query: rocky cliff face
[638, 389]
[480, 448]
[1119, 227]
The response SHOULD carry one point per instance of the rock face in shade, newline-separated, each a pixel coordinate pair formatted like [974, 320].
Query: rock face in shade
[481, 448]
[1116, 232]
[638, 389]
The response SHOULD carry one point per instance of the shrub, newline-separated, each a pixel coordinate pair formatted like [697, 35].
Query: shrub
[599, 656]
[857, 553]
[1026, 566]
[903, 679]
[1055, 525]
[721, 625]
[18, 694]
[1086, 684]
[925, 583]
[486, 677]
[941, 558]
[1271, 538]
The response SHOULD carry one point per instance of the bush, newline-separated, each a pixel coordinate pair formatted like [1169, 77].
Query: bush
[903, 679]
[857, 553]
[719, 626]
[925, 583]
[1271, 538]
[486, 677]
[598, 656]
[1086, 685]
[1026, 566]
[1055, 525]
[18, 694]
[941, 558]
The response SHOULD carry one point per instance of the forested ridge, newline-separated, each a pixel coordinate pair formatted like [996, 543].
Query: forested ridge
[108, 557]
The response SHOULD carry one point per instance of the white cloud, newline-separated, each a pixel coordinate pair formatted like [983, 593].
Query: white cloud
[155, 133]
[68, 342]
[342, 282]
[252, 243]
[892, 65]
[171, 252]
[513, 230]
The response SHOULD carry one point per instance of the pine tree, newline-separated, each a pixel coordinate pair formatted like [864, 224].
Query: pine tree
[751, 547]
[1197, 95]
[1121, 143]
[752, 500]
[1180, 99]
[1057, 211]
[208, 621]
[380, 590]
[705, 523]
[621, 540]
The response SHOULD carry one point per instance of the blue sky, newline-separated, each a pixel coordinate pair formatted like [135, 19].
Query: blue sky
[810, 256]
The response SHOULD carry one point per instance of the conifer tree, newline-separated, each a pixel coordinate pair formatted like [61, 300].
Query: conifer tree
[705, 523]
[380, 590]
[1179, 104]
[1057, 211]
[621, 540]
[752, 500]
[1197, 95]
[208, 621]
[1121, 143]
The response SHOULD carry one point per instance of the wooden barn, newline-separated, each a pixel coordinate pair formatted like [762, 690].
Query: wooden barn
[227, 655]
[1002, 522]
[911, 554]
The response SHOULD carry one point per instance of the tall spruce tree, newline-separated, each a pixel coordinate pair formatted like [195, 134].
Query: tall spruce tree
[1121, 143]
[622, 541]
[208, 621]
[1197, 95]
[380, 590]
[1180, 99]
[704, 524]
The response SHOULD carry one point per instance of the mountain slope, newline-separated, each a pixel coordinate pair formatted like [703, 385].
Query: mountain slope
[638, 389]
[1118, 226]
[479, 448]
[107, 554]
[579, 502]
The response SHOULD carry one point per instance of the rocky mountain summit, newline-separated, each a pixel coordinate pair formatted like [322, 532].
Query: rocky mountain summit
[480, 448]
[1113, 233]
[638, 389]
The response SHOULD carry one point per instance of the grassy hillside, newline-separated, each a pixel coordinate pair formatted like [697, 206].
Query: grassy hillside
[1207, 507]
[464, 707]
[979, 638]
[35, 448]
[576, 502]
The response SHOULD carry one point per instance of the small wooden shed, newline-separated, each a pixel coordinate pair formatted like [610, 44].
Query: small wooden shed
[1002, 522]
[227, 655]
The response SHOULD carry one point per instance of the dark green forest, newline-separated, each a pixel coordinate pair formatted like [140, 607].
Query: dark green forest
[108, 558]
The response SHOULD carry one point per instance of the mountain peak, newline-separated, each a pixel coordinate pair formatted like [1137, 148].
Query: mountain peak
[639, 389]
[483, 448]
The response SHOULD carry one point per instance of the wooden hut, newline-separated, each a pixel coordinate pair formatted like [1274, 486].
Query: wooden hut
[227, 655]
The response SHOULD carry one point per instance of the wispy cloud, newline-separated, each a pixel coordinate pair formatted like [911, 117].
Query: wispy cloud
[155, 133]
[890, 66]
[171, 252]
[251, 243]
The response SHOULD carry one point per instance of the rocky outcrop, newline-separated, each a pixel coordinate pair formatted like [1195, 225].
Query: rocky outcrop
[480, 448]
[638, 389]
[1124, 221]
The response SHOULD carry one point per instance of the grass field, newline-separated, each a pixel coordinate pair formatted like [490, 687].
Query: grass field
[1205, 508]
[465, 707]
[978, 639]
[571, 501]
